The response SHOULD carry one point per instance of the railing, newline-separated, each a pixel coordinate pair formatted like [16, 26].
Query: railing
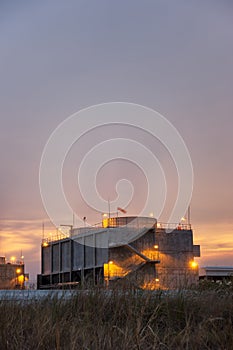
[54, 237]
[171, 226]
[135, 222]
[116, 222]
[13, 262]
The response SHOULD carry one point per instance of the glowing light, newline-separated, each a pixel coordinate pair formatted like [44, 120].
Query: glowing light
[194, 264]
[105, 215]
[157, 280]
[183, 219]
[158, 225]
[21, 279]
[156, 246]
[105, 223]
[13, 259]
[151, 215]
[18, 270]
[112, 270]
[45, 244]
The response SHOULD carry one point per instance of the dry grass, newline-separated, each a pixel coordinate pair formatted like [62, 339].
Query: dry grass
[200, 319]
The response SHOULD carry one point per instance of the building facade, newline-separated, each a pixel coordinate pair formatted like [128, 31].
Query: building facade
[123, 251]
[177, 268]
[12, 274]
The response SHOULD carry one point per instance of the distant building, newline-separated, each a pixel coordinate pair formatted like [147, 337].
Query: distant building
[123, 250]
[216, 273]
[12, 275]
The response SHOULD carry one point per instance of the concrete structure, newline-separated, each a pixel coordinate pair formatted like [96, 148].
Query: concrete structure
[123, 250]
[216, 273]
[177, 268]
[12, 274]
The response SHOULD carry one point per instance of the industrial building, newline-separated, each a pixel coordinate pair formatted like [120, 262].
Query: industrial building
[12, 275]
[216, 273]
[121, 251]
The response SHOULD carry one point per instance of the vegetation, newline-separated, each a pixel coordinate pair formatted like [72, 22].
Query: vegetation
[97, 319]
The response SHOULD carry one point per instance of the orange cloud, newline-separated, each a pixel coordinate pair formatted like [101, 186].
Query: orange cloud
[216, 242]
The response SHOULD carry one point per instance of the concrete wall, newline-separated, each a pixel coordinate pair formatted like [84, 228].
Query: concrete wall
[67, 255]
[176, 252]
[11, 276]
[46, 259]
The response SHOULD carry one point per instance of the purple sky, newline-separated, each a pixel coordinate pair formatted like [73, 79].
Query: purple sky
[58, 57]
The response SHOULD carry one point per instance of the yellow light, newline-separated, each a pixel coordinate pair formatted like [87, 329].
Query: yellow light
[194, 264]
[156, 246]
[183, 219]
[157, 280]
[21, 279]
[105, 215]
[158, 225]
[105, 223]
[13, 259]
[18, 270]
[110, 262]
[106, 271]
[45, 244]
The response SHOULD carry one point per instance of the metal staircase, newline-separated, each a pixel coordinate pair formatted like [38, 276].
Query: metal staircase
[128, 273]
[144, 257]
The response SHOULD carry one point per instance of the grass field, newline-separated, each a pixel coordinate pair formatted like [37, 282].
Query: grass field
[194, 319]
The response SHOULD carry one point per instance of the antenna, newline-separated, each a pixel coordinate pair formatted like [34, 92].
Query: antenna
[84, 221]
[43, 230]
[109, 210]
[21, 256]
[189, 215]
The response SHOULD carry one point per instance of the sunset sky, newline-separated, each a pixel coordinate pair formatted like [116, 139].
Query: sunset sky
[58, 57]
